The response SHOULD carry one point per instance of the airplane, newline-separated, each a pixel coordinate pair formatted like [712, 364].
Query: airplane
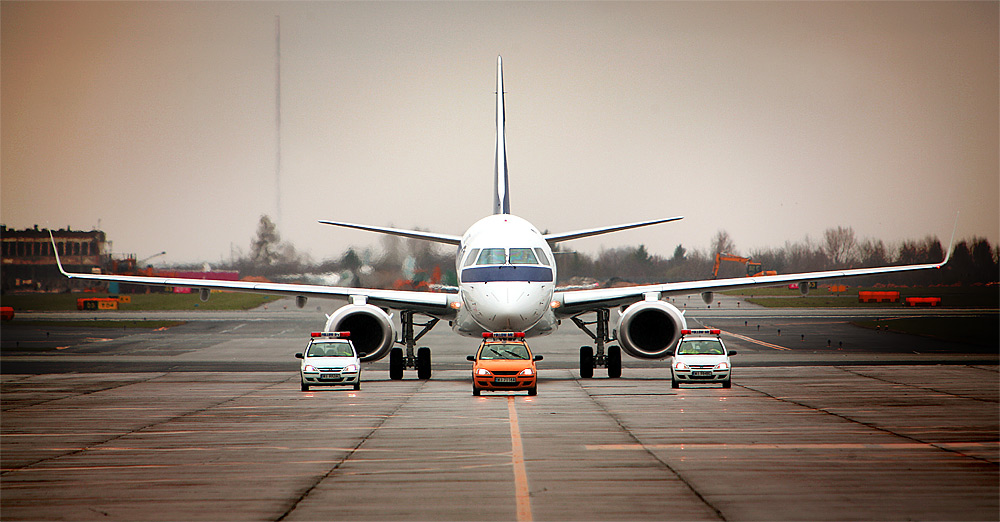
[507, 283]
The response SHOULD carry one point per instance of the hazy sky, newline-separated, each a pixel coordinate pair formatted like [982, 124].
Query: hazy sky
[773, 121]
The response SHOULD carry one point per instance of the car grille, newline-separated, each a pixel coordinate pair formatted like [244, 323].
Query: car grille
[329, 370]
[701, 366]
[506, 372]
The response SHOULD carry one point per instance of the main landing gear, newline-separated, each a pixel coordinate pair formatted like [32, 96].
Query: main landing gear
[588, 359]
[422, 360]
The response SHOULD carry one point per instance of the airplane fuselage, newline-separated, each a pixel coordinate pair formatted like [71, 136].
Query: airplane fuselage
[506, 278]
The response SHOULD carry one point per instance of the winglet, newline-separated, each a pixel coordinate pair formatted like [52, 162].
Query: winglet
[501, 195]
[55, 250]
[951, 242]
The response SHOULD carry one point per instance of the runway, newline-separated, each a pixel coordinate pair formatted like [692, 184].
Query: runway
[206, 422]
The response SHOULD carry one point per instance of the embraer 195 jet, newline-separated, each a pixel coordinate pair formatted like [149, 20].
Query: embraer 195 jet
[506, 283]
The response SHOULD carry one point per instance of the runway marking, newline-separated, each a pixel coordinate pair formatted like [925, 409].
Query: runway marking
[755, 341]
[521, 491]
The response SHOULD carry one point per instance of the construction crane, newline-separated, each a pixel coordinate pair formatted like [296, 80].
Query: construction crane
[142, 261]
[753, 269]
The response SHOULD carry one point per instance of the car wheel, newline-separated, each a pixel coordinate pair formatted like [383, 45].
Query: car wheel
[305, 387]
[728, 383]
[357, 386]
[533, 390]
[586, 362]
[396, 364]
[423, 363]
[673, 381]
[475, 390]
[614, 362]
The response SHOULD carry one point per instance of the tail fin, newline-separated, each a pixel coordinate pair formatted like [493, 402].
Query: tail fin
[501, 195]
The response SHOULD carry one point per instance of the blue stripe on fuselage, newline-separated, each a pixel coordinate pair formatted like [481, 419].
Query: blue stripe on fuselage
[489, 274]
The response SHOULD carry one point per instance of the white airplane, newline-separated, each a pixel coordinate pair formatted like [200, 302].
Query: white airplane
[507, 283]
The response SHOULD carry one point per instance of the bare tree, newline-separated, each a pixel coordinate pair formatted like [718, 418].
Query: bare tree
[840, 246]
[723, 243]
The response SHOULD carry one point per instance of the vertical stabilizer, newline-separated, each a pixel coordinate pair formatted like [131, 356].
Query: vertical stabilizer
[501, 194]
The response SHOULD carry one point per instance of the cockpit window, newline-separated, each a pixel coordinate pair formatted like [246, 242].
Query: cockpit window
[492, 256]
[542, 258]
[471, 258]
[522, 256]
[707, 347]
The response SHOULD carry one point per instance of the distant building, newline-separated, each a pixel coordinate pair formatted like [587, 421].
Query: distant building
[28, 262]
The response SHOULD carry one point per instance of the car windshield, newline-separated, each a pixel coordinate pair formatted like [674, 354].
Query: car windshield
[703, 347]
[504, 351]
[330, 350]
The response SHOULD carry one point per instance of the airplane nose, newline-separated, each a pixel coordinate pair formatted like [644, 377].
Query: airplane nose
[509, 307]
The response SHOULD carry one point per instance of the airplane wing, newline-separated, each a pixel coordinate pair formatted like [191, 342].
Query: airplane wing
[433, 303]
[576, 301]
[413, 234]
[566, 236]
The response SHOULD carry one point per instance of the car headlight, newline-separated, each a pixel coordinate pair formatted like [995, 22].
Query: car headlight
[680, 366]
[482, 371]
[309, 368]
[527, 371]
[351, 368]
[722, 366]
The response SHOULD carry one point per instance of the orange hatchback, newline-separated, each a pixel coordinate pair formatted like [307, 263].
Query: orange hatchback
[504, 362]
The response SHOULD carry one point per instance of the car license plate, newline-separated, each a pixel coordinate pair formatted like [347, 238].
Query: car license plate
[701, 374]
[327, 376]
[505, 379]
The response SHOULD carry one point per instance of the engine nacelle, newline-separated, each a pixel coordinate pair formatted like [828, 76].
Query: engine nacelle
[372, 331]
[649, 328]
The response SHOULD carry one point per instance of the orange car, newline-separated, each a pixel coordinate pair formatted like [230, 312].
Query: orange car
[504, 362]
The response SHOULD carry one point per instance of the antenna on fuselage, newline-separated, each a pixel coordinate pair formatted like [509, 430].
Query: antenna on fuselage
[501, 194]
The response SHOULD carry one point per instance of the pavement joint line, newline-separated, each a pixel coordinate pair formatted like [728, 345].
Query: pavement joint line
[521, 491]
[117, 436]
[649, 452]
[940, 446]
[925, 388]
[295, 503]
[755, 341]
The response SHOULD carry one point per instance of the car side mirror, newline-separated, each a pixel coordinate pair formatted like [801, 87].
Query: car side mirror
[732, 352]
[538, 358]
[471, 358]
[298, 356]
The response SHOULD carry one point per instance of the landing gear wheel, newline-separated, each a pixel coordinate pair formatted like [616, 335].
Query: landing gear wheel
[533, 390]
[476, 391]
[423, 363]
[728, 383]
[396, 364]
[614, 362]
[586, 362]
[305, 387]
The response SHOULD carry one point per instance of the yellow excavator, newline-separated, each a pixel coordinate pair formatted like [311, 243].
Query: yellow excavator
[753, 269]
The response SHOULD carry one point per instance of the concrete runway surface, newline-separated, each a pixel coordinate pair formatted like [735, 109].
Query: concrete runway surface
[205, 421]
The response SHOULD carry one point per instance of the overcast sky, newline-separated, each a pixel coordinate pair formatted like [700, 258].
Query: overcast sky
[772, 121]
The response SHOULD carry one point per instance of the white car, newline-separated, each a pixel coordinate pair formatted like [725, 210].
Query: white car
[329, 360]
[700, 357]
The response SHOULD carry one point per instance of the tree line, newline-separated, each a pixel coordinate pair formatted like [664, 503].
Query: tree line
[973, 261]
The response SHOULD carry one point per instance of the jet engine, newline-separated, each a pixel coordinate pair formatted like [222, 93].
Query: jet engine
[648, 329]
[372, 331]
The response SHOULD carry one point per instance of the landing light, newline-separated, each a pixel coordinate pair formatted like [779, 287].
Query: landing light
[331, 335]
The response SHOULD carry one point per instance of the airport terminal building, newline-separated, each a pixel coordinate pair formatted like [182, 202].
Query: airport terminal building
[28, 262]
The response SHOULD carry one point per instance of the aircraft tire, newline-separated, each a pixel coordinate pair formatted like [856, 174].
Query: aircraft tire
[396, 364]
[423, 363]
[614, 362]
[586, 362]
